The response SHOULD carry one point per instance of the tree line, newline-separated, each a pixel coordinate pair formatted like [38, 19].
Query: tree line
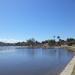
[46, 43]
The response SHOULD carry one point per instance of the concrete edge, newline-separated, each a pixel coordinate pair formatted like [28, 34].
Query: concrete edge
[69, 68]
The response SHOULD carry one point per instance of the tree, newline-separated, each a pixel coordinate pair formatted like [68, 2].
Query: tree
[70, 41]
[51, 42]
[59, 41]
[44, 42]
[20, 44]
[54, 37]
[62, 42]
[58, 37]
[31, 42]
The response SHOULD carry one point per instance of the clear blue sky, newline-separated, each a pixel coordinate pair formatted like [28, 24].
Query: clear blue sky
[41, 19]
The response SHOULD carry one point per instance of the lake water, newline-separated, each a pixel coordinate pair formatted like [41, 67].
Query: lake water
[23, 61]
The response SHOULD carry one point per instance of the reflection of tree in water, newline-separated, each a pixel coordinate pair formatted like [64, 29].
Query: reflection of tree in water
[31, 52]
[28, 52]
[49, 51]
[57, 54]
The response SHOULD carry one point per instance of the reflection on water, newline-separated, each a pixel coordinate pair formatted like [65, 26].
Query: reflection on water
[22, 61]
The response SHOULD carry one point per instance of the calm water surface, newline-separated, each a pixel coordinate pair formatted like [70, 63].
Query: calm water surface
[22, 61]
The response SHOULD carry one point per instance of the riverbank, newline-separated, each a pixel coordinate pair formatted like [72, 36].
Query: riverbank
[46, 46]
[71, 48]
[69, 68]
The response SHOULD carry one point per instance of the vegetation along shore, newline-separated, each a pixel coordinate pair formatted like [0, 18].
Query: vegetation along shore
[69, 43]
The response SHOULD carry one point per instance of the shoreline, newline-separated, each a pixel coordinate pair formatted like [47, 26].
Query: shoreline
[71, 48]
[69, 68]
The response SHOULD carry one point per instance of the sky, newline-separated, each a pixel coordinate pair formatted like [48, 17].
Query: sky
[39, 19]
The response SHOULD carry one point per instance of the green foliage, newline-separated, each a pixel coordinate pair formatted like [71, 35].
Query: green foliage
[70, 41]
[20, 44]
[51, 42]
[31, 42]
[58, 37]
[46, 41]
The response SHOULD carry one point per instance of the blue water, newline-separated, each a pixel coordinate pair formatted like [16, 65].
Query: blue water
[23, 61]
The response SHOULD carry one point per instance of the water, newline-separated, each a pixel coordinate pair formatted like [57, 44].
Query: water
[22, 61]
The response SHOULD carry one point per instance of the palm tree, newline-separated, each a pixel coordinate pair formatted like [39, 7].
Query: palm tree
[59, 40]
[58, 37]
[54, 37]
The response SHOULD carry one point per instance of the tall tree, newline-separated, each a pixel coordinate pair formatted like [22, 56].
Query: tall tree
[31, 42]
[51, 42]
[70, 41]
[54, 37]
[59, 41]
[58, 37]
